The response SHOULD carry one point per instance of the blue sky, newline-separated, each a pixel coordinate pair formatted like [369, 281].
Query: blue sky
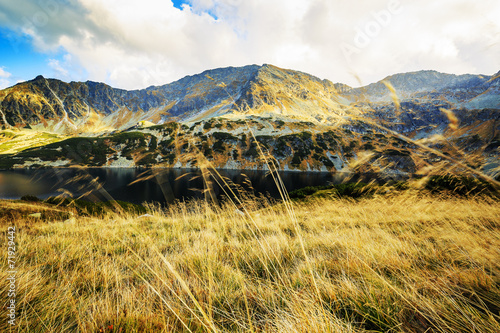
[133, 44]
[178, 3]
[20, 58]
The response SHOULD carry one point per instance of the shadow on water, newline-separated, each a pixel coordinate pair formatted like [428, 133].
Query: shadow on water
[150, 185]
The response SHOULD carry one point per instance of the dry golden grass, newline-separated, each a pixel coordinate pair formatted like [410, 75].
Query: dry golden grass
[401, 263]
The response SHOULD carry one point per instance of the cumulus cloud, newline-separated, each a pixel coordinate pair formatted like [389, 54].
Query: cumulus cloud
[4, 78]
[134, 44]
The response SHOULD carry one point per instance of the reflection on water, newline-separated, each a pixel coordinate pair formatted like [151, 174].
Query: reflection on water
[140, 185]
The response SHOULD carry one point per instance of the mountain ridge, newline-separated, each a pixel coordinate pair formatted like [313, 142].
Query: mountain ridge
[248, 90]
[211, 93]
[302, 121]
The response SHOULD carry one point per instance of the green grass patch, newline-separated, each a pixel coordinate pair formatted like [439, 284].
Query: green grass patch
[96, 208]
[350, 190]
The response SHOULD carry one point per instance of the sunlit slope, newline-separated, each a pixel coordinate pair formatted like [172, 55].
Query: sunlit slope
[14, 141]
[294, 95]
[75, 107]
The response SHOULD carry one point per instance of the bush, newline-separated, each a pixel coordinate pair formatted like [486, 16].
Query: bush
[223, 136]
[296, 160]
[459, 185]
[252, 150]
[395, 152]
[327, 162]
[84, 207]
[207, 125]
[153, 144]
[354, 190]
[7, 162]
[219, 147]
[306, 191]
[279, 123]
[30, 198]
[368, 146]
[148, 159]
[351, 190]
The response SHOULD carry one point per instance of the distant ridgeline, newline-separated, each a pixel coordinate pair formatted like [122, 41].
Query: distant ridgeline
[254, 116]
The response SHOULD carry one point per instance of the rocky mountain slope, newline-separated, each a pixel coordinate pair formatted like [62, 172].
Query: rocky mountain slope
[462, 90]
[85, 107]
[233, 115]
[258, 143]
[90, 107]
[253, 144]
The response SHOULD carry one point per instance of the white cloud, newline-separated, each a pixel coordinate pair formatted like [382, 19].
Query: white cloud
[133, 44]
[4, 83]
[4, 78]
[67, 68]
[59, 70]
[4, 74]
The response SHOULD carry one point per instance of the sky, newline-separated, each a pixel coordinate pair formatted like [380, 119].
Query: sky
[134, 44]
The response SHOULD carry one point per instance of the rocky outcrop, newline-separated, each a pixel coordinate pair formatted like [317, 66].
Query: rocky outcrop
[222, 143]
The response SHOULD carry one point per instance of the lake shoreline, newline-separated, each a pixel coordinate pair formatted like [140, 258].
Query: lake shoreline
[392, 173]
[156, 184]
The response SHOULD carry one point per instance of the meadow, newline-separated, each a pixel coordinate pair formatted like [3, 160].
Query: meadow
[401, 261]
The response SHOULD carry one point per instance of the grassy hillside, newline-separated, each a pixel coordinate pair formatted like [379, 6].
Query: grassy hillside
[14, 141]
[402, 262]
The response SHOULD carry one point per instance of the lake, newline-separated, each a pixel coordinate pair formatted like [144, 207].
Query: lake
[146, 185]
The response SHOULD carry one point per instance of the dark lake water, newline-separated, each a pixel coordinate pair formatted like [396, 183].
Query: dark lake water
[145, 185]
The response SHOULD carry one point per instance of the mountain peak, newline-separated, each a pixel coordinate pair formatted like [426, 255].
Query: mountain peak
[39, 78]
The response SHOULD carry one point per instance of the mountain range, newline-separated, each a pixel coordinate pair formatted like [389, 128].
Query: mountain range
[90, 106]
[231, 114]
